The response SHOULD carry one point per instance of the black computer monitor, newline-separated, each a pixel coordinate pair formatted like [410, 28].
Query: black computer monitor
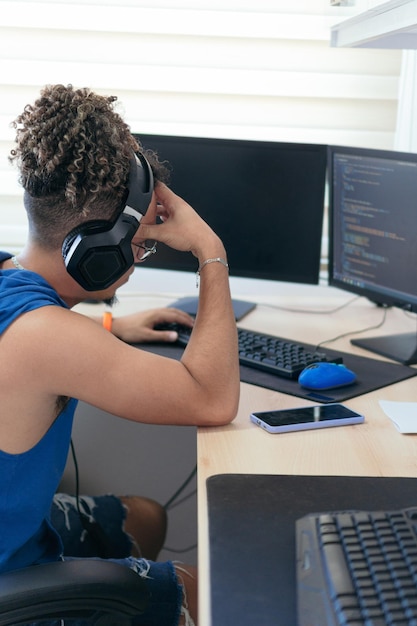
[373, 235]
[264, 199]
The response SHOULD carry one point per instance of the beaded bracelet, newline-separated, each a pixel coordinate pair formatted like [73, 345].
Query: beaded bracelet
[206, 262]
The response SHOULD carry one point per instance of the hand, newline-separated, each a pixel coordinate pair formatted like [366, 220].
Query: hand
[140, 327]
[182, 228]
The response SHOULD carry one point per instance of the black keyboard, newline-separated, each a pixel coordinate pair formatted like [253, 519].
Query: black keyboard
[357, 568]
[275, 355]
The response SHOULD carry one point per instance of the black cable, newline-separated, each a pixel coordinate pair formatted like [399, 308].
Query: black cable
[330, 311]
[170, 505]
[309, 311]
[77, 481]
[184, 499]
[103, 543]
[181, 550]
[180, 489]
[355, 332]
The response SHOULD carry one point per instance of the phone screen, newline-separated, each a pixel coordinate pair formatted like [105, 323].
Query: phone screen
[306, 415]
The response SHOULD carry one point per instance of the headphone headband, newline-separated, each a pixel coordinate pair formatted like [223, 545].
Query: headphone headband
[97, 253]
[140, 185]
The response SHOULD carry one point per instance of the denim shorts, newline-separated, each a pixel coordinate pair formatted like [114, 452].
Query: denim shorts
[78, 522]
[91, 526]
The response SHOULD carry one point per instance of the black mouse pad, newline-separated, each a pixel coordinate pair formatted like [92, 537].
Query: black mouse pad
[371, 374]
[252, 536]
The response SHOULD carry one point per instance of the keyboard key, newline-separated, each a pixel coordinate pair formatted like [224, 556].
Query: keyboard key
[339, 575]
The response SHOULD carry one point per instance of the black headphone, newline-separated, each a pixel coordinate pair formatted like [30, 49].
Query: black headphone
[99, 252]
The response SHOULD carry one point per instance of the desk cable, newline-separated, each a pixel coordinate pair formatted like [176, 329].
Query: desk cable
[330, 311]
[310, 311]
[170, 505]
[356, 332]
[103, 543]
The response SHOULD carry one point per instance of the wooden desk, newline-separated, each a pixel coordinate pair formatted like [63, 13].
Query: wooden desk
[374, 448]
[371, 449]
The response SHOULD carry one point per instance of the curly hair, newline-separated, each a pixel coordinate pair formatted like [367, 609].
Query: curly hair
[73, 152]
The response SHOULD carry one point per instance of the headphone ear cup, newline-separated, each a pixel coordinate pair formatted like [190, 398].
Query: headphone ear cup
[82, 229]
[96, 254]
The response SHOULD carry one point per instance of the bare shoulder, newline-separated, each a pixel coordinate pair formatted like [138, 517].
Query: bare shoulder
[39, 341]
[58, 342]
[59, 352]
[46, 328]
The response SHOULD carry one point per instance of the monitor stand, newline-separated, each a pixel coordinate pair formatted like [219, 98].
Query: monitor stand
[401, 348]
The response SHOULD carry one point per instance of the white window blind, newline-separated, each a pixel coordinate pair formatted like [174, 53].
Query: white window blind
[256, 69]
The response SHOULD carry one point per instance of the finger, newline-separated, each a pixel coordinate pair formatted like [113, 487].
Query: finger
[167, 336]
[163, 193]
[178, 316]
[169, 315]
[147, 231]
[162, 214]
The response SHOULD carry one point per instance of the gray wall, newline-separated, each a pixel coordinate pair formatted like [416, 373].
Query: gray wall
[121, 457]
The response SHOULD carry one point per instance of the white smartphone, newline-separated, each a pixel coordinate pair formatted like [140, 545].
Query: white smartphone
[305, 418]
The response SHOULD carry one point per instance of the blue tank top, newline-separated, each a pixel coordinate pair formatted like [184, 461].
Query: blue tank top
[29, 480]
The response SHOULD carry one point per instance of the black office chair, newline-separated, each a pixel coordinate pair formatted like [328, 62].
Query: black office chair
[95, 592]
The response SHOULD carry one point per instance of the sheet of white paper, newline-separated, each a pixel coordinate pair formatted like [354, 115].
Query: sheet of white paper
[403, 414]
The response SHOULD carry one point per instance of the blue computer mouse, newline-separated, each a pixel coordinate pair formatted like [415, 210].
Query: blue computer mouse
[320, 376]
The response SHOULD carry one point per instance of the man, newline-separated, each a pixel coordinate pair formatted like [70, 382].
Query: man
[75, 155]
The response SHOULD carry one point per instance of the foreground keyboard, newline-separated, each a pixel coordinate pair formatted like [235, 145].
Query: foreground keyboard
[357, 568]
[275, 355]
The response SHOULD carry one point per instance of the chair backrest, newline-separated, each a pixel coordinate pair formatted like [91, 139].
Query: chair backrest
[95, 592]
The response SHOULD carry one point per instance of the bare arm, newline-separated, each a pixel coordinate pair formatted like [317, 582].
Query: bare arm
[211, 356]
[67, 354]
